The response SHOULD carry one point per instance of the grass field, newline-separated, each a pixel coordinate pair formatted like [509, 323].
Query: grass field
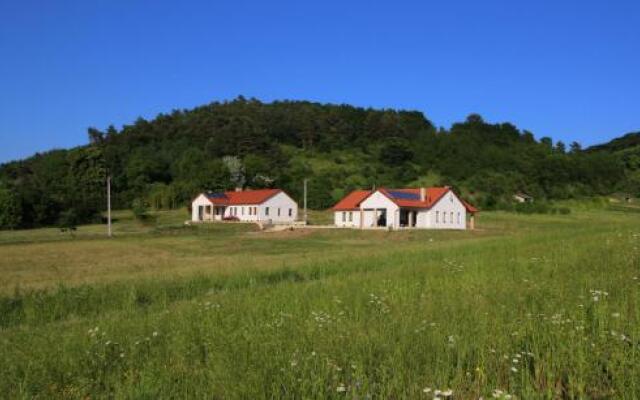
[543, 306]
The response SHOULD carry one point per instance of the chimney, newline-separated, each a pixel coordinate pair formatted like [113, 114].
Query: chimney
[423, 194]
[238, 189]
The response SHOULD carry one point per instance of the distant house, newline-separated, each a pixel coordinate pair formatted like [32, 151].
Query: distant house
[426, 208]
[522, 197]
[264, 205]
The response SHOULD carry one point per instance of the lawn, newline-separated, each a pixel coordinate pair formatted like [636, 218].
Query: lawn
[543, 306]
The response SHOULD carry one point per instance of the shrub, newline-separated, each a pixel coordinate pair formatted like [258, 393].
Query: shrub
[140, 209]
[68, 221]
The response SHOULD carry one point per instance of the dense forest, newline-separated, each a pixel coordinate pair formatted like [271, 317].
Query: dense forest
[164, 162]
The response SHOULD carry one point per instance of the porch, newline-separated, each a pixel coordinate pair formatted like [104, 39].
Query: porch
[210, 213]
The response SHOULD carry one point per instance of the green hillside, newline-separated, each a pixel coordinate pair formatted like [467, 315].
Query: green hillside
[165, 161]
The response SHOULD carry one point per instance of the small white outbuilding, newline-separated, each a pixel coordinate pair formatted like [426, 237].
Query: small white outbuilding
[271, 206]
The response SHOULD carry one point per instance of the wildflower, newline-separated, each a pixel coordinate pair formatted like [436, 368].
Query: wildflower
[155, 333]
[121, 355]
[341, 388]
[514, 369]
[447, 393]
[426, 390]
[313, 354]
[615, 315]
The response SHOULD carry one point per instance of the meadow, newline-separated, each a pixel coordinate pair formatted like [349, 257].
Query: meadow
[527, 306]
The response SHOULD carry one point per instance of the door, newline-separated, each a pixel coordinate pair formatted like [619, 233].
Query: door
[382, 217]
[200, 213]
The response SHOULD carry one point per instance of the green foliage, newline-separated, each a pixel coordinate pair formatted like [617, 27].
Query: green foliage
[247, 143]
[140, 209]
[68, 221]
[10, 209]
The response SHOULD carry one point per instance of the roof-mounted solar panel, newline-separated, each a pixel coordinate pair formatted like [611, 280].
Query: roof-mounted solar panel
[404, 195]
[216, 195]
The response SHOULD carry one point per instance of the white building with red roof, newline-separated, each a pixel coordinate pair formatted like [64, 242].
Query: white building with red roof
[263, 205]
[427, 208]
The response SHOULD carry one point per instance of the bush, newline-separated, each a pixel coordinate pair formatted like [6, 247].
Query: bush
[68, 221]
[140, 209]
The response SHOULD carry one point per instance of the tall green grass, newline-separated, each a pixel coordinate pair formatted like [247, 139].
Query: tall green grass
[551, 311]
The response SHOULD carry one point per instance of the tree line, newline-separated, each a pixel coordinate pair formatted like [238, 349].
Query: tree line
[164, 162]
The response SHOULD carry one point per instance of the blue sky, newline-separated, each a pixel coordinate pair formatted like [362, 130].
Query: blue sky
[569, 70]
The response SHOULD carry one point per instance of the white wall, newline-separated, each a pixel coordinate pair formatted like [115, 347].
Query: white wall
[439, 216]
[281, 202]
[351, 219]
[244, 212]
[201, 200]
[379, 201]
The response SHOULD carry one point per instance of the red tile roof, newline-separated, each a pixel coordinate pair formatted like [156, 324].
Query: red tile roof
[352, 200]
[242, 197]
[407, 198]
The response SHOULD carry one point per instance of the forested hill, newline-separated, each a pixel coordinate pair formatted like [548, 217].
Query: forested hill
[165, 161]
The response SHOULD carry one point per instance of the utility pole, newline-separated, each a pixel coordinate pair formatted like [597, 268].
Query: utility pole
[109, 206]
[305, 201]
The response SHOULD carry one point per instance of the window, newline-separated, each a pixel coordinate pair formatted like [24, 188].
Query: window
[444, 217]
[344, 216]
[278, 211]
[458, 217]
[437, 217]
[250, 210]
[266, 211]
[208, 209]
[451, 219]
[255, 210]
[242, 210]
[290, 212]
[350, 216]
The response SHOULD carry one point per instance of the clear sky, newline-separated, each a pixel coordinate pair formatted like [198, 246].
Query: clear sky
[565, 69]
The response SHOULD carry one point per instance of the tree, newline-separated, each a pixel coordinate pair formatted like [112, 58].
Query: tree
[575, 147]
[236, 170]
[10, 209]
[86, 182]
[396, 152]
[547, 142]
[560, 147]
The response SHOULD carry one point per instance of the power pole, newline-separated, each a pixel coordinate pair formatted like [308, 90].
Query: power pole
[109, 206]
[305, 201]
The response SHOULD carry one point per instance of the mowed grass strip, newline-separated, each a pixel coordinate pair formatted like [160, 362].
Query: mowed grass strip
[535, 306]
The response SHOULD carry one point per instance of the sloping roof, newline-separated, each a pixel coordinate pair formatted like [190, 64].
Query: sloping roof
[408, 198]
[352, 200]
[242, 197]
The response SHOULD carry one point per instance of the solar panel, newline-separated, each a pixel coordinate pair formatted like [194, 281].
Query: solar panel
[404, 195]
[216, 195]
